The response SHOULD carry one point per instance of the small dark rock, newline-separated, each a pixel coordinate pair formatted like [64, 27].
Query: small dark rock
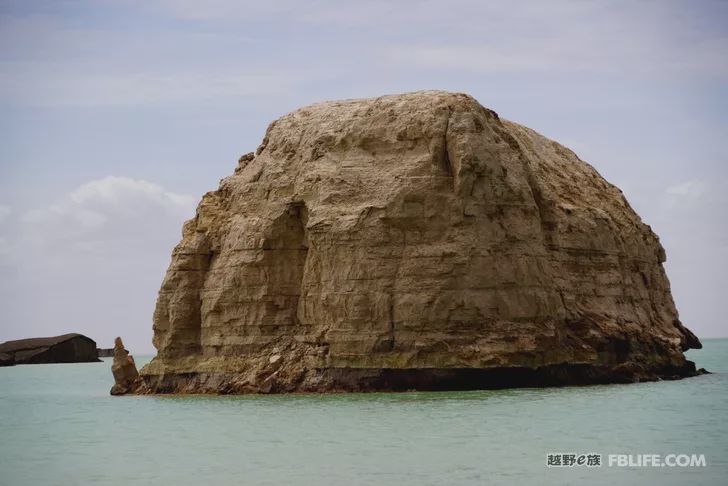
[68, 348]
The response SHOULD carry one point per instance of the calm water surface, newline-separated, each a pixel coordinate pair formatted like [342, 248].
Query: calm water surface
[58, 425]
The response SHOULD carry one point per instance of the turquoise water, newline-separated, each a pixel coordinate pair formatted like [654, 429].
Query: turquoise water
[58, 425]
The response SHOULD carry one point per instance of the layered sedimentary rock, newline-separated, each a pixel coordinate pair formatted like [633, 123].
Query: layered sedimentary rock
[67, 348]
[415, 241]
[126, 376]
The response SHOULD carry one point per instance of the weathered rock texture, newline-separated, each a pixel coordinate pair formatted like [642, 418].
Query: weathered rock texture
[415, 241]
[126, 376]
[68, 348]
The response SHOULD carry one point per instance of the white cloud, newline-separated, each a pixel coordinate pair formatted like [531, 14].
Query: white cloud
[92, 261]
[93, 203]
[692, 190]
[116, 192]
[107, 216]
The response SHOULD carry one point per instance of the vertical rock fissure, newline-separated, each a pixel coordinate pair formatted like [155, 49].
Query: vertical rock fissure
[300, 213]
[445, 156]
[285, 251]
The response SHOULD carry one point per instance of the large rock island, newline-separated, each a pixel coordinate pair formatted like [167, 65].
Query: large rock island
[415, 241]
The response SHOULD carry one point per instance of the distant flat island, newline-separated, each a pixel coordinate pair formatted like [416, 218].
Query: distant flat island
[105, 352]
[67, 348]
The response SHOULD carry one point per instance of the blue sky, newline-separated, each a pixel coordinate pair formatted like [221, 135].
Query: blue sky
[115, 117]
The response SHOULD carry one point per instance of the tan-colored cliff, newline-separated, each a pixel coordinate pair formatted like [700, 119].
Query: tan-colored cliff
[414, 241]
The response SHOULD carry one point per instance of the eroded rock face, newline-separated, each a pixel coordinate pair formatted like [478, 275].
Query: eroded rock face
[126, 376]
[413, 241]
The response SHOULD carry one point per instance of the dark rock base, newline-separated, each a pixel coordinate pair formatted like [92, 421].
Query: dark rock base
[418, 379]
